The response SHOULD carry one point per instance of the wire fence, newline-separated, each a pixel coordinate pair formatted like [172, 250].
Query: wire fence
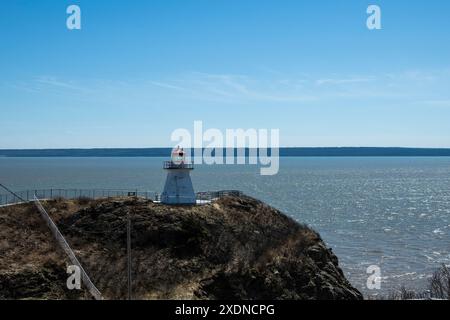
[51, 194]
[65, 246]
[213, 195]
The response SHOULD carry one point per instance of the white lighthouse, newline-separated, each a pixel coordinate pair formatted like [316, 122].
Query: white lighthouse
[178, 188]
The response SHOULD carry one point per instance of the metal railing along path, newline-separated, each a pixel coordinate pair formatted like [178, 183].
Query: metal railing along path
[55, 193]
[65, 246]
[19, 197]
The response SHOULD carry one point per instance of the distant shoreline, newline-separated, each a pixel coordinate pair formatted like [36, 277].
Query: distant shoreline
[283, 152]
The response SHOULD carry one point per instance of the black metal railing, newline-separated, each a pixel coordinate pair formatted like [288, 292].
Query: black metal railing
[212, 195]
[52, 194]
[183, 165]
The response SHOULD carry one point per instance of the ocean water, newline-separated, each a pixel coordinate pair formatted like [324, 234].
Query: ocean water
[390, 212]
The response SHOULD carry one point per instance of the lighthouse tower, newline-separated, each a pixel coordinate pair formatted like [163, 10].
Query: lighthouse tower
[178, 188]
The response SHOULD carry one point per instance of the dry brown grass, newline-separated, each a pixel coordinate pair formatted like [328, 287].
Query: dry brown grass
[29, 255]
[24, 246]
[176, 248]
[83, 200]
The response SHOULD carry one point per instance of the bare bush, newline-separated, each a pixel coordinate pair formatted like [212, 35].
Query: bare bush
[439, 285]
[438, 288]
[402, 294]
[83, 200]
[58, 199]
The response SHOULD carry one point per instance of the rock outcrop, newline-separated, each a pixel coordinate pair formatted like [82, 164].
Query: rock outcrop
[233, 248]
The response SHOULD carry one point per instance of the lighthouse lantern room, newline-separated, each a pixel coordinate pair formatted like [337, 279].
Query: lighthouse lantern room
[178, 188]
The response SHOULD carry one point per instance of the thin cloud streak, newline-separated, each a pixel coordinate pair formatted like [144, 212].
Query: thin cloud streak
[409, 86]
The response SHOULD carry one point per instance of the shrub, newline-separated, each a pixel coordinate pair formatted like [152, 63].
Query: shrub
[439, 285]
[58, 199]
[438, 288]
[82, 200]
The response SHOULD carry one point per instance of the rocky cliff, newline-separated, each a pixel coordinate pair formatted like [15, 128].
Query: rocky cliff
[234, 248]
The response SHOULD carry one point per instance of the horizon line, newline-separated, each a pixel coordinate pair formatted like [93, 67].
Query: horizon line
[281, 152]
[281, 147]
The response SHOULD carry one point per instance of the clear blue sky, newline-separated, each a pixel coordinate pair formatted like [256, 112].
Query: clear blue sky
[140, 69]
